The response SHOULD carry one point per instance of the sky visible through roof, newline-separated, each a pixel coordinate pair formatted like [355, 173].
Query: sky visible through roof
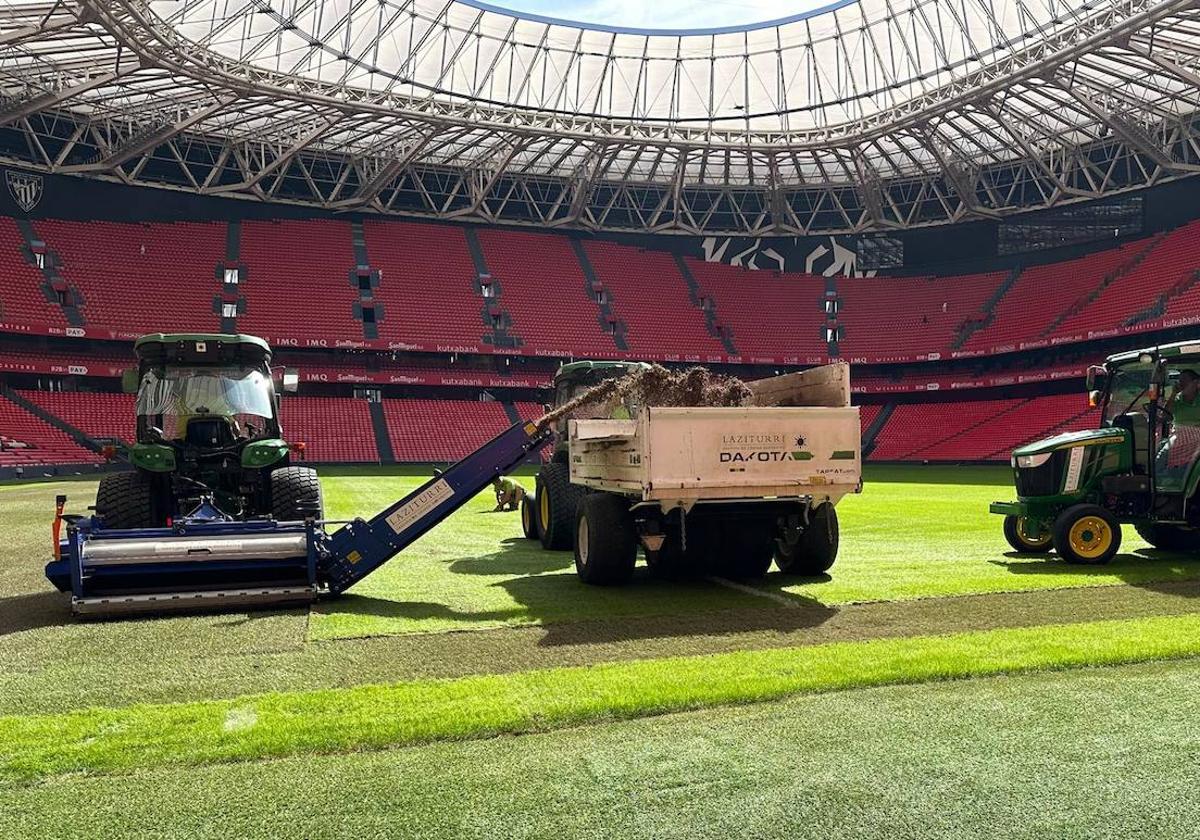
[663, 14]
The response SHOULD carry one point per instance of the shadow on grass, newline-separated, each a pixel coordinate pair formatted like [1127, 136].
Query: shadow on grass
[366, 605]
[1147, 568]
[517, 556]
[31, 612]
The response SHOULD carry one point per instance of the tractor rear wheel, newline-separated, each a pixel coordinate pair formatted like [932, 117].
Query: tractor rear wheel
[529, 525]
[1086, 535]
[605, 540]
[816, 548]
[296, 494]
[1018, 537]
[557, 500]
[127, 500]
[1169, 537]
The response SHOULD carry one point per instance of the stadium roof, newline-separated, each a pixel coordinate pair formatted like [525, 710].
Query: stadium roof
[861, 115]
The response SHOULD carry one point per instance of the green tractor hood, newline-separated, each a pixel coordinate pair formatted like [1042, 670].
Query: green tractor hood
[1088, 437]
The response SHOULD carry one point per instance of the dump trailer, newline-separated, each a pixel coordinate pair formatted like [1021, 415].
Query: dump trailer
[209, 559]
[713, 489]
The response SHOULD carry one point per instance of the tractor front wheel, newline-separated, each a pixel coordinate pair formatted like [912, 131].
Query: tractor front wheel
[1017, 533]
[296, 494]
[529, 517]
[1087, 535]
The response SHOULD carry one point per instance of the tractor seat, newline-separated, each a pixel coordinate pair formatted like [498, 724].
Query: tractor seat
[208, 432]
[1138, 425]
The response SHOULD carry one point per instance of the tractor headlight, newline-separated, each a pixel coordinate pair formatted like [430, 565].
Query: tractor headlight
[1028, 462]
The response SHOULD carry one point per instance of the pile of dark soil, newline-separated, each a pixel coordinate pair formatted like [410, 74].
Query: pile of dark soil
[657, 386]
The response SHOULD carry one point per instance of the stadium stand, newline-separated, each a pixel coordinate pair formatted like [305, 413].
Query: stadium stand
[426, 284]
[464, 426]
[297, 281]
[333, 429]
[131, 275]
[543, 288]
[664, 321]
[923, 314]
[1043, 295]
[21, 296]
[28, 440]
[769, 314]
[97, 415]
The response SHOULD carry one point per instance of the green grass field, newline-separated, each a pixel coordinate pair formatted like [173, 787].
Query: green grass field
[925, 591]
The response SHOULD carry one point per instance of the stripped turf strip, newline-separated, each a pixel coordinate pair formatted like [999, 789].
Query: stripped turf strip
[215, 657]
[367, 717]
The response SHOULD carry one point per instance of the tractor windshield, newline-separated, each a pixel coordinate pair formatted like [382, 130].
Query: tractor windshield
[1127, 389]
[239, 399]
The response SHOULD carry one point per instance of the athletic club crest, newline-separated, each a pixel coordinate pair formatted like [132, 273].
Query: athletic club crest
[26, 189]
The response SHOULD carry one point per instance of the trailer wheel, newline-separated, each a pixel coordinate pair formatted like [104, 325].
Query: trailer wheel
[557, 500]
[127, 500]
[1019, 539]
[1086, 535]
[816, 548]
[296, 494]
[1169, 537]
[605, 540]
[529, 525]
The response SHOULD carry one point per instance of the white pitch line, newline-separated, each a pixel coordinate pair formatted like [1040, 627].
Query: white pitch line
[750, 590]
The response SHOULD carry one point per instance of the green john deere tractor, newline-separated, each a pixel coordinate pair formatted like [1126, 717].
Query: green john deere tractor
[207, 433]
[550, 514]
[1141, 467]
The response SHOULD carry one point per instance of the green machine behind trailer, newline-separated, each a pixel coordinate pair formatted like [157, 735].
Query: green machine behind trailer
[1140, 467]
[207, 429]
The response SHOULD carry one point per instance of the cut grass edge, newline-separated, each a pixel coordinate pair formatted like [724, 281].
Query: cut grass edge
[380, 716]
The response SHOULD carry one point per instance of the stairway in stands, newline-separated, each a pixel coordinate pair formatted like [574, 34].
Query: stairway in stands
[707, 307]
[365, 280]
[496, 319]
[603, 297]
[57, 291]
[229, 302]
[988, 314]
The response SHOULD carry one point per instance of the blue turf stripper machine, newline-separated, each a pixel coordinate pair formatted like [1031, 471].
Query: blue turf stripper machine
[206, 560]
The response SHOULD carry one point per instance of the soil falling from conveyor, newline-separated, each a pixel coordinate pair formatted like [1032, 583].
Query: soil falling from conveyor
[658, 386]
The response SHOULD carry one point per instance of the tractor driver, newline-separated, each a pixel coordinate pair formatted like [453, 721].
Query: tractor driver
[1184, 403]
[508, 494]
[1180, 449]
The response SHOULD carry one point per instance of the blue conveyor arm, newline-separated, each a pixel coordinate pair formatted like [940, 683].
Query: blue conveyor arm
[351, 553]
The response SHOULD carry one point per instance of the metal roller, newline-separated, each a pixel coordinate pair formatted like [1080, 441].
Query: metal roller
[193, 549]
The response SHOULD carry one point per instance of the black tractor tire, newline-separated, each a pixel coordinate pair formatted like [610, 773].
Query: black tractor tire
[129, 500]
[557, 500]
[1087, 535]
[296, 494]
[606, 540]
[1014, 532]
[816, 549]
[529, 523]
[1169, 537]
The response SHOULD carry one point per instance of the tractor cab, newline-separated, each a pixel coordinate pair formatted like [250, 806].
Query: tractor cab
[573, 379]
[207, 429]
[1140, 467]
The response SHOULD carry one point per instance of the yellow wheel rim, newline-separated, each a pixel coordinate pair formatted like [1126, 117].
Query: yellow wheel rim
[1039, 542]
[1090, 537]
[544, 507]
[525, 517]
